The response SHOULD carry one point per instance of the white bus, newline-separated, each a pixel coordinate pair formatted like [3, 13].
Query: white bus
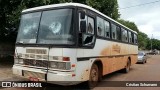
[70, 43]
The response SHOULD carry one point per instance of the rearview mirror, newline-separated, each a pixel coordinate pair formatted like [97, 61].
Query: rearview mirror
[83, 26]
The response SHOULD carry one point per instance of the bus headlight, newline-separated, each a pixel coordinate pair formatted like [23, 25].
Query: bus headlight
[18, 61]
[60, 65]
[53, 65]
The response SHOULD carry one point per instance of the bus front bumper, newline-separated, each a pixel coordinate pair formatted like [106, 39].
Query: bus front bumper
[55, 77]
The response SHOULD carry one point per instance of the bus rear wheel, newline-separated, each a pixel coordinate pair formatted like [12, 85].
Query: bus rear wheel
[93, 78]
[127, 68]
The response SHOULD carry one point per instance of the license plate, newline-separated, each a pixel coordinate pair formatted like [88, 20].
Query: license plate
[33, 79]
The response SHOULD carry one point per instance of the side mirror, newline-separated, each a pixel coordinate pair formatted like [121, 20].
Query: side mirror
[82, 14]
[83, 26]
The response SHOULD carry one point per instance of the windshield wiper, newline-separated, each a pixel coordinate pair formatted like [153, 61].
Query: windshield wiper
[20, 42]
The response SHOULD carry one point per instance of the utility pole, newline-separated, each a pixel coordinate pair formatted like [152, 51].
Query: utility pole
[151, 42]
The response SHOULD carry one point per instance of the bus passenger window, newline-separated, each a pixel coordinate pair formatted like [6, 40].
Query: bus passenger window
[90, 27]
[118, 32]
[132, 34]
[124, 35]
[135, 39]
[107, 29]
[130, 37]
[114, 31]
[100, 27]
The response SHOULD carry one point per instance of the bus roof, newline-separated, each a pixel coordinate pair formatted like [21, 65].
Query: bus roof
[73, 4]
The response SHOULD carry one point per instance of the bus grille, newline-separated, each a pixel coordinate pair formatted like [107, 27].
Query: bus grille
[36, 51]
[37, 63]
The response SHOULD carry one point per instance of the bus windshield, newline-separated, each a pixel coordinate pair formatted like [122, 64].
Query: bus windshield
[47, 27]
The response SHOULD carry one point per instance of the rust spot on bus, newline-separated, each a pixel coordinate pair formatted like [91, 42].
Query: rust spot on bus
[116, 48]
[105, 51]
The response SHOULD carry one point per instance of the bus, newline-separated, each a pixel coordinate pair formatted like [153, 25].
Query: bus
[70, 43]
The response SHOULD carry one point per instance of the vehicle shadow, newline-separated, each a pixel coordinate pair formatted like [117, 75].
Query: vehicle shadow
[108, 80]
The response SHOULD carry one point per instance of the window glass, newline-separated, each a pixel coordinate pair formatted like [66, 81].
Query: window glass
[135, 39]
[100, 27]
[107, 29]
[118, 32]
[28, 28]
[124, 35]
[90, 25]
[114, 33]
[130, 37]
[55, 27]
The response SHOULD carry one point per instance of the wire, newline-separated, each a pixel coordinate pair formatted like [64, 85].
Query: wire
[140, 5]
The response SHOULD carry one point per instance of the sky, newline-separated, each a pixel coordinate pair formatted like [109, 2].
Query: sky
[146, 17]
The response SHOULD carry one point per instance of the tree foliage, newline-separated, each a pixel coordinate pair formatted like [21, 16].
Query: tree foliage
[129, 24]
[9, 19]
[107, 7]
[10, 11]
[142, 40]
[155, 44]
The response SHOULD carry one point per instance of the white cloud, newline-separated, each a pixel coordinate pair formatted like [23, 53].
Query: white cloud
[146, 17]
[147, 28]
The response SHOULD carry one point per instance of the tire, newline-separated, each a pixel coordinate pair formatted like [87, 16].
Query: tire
[127, 68]
[143, 62]
[146, 61]
[94, 76]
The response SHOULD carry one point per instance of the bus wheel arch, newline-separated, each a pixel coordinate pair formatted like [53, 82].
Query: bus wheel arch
[128, 65]
[96, 66]
[129, 58]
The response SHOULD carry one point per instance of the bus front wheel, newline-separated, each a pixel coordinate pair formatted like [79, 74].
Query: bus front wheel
[93, 78]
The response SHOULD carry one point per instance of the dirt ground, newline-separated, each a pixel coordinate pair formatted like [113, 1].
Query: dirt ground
[139, 72]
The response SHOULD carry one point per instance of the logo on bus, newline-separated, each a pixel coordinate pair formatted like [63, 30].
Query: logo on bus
[116, 48]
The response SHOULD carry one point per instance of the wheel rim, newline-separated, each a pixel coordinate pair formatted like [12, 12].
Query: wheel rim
[94, 74]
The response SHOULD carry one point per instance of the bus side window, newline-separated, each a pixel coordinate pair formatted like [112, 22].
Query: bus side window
[89, 39]
[107, 29]
[135, 39]
[130, 37]
[100, 27]
[114, 33]
[118, 32]
[132, 34]
[124, 35]
[90, 25]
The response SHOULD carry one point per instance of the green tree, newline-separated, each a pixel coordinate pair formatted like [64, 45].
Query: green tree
[107, 7]
[8, 19]
[155, 44]
[129, 24]
[142, 40]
